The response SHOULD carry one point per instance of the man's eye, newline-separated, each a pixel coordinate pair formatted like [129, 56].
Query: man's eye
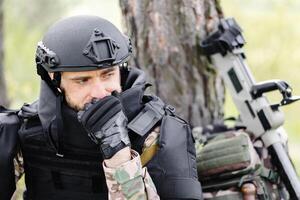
[108, 75]
[82, 81]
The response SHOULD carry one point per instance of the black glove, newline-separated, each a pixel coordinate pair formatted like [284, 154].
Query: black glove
[106, 124]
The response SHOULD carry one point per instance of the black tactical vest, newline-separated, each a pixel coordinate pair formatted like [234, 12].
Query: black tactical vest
[76, 175]
[79, 173]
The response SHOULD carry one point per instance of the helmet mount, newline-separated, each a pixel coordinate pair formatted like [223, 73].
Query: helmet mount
[45, 56]
[101, 48]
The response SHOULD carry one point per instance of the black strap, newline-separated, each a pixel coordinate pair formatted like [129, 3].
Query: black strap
[59, 124]
[45, 76]
[71, 165]
[5, 110]
[58, 120]
[56, 79]
[54, 85]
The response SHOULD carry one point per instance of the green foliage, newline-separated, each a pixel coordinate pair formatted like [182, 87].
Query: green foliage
[22, 31]
[19, 61]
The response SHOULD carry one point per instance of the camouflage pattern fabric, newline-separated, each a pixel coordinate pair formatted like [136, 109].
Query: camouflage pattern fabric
[150, 146]
[130, 181]
[231, 152]
[19, 166]
[271, 184]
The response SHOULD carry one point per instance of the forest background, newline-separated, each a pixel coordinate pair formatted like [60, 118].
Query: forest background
[270, 28]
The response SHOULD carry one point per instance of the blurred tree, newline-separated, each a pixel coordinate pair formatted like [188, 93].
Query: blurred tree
[166, 36]
[24, 24]
[3, 95]
[39, 13]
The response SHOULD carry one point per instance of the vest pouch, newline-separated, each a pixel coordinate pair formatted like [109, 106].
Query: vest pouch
[227, 156]
[229, 161]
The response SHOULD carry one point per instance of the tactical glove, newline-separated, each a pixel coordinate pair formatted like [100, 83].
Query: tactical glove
[106, 124]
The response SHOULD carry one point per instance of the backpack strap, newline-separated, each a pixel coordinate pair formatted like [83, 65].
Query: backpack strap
[29, 110]
[6, 110]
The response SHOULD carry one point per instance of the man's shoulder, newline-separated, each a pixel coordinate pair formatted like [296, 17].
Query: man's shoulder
[8, 116]
[29, 110]
[9, 126]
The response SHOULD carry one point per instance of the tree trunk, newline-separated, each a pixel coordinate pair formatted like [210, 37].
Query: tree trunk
[3, 95]
[166, 35]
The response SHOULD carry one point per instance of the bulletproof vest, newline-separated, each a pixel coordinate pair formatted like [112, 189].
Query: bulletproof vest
[76, 175]
[79, 174]
[173, 168]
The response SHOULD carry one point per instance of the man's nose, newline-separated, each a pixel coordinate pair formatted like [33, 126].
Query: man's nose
[99, 91]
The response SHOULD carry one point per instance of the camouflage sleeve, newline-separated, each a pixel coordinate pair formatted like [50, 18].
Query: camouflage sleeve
[19, 166]
[130, 181]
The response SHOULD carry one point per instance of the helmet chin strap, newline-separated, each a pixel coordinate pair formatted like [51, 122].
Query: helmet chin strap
[60, 127]
[56, 80]
[53, 84]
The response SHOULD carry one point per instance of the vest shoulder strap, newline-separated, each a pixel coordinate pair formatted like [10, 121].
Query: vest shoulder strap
[8, 116]
[29, 110]
[8, 111]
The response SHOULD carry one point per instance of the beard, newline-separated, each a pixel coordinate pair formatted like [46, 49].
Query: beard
[75, 106]
[72, 104]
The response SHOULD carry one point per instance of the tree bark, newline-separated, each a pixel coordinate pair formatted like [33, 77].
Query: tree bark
[166, 36]
[3, 94]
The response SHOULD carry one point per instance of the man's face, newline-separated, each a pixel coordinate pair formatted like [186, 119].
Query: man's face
[81, 87]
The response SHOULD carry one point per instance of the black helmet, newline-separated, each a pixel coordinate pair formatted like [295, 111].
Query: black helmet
[82, 43]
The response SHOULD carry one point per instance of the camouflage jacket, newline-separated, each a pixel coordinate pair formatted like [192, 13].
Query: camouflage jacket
[130, 181]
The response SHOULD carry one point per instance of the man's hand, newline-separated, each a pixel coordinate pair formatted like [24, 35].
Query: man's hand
[106, 123]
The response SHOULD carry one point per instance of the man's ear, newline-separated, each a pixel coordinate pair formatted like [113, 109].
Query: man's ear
[51, 74]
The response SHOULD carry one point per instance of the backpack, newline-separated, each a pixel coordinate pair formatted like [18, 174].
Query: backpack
[9, 126]
[232, 166]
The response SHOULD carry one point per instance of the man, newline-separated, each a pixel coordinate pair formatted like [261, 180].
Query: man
[93, 133]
